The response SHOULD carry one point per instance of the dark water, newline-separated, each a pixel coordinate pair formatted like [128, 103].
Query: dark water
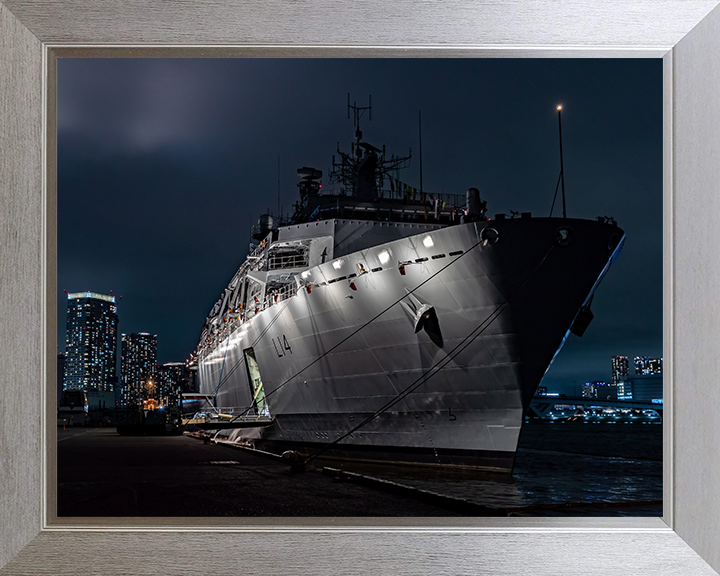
[560, 470]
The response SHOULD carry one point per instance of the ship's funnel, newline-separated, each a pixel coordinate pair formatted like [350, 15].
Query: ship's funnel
[476, 208]
[473, 202]
[366, 189]
[264, 226]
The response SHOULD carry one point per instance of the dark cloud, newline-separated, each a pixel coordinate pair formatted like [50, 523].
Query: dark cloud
[164, 164]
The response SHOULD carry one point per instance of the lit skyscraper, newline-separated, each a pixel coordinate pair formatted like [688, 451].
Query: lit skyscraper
[170, 377]
[589, 390]
[137, 366]
[620, 368]
[646, 366]
[91, 343]
[655, 365]
[598, 389]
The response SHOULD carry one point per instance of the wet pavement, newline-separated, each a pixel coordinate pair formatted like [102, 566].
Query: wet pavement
[103, 474]
[560, 470]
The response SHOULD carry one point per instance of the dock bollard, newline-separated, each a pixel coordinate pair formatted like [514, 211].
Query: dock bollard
[295, 459]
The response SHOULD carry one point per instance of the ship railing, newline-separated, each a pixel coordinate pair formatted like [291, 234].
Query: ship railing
[291, 261]
[227, 417]
[412, 197]
[416, 197]
[274, 296]
[253, 258]
[277, 295]
[256, 251]
[225, 413]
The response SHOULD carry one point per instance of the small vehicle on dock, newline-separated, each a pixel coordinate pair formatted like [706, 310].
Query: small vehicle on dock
[73, 408]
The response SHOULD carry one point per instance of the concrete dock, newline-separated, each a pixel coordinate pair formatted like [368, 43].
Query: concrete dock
[101, 473]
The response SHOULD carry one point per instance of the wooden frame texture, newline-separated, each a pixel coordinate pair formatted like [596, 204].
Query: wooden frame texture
[685, 33]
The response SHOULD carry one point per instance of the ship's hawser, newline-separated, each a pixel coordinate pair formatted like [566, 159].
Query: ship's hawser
[380, 324]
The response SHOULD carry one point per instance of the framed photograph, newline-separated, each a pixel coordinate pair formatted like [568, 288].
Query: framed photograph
[219, 153]
[684, 540]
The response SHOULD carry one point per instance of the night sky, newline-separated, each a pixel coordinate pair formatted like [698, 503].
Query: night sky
[163, 165]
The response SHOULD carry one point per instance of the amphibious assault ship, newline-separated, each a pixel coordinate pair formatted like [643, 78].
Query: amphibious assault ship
[384, 323]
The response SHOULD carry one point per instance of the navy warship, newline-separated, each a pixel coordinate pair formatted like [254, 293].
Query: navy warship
[380, 322]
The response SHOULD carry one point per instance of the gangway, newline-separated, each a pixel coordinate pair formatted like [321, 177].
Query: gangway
[215, 421]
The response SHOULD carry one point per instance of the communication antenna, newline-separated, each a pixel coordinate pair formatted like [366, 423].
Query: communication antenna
[357, 114]
[420, 137]
[562, 171]
[561, 177]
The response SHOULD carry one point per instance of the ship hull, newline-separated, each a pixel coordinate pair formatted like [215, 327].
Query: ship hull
[436, 351]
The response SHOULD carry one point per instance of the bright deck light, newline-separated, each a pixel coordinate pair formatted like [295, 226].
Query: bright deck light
[337, 264]
[384, 257]
[428, 242]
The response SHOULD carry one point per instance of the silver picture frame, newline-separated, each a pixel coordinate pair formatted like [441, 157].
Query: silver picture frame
[684, 33]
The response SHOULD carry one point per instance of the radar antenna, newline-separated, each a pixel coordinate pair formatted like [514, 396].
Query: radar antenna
[358, 112]
[347, 170]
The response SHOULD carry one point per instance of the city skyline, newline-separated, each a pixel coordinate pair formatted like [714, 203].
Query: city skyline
[182, 156]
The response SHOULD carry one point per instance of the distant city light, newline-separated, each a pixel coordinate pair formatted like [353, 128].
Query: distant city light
[76, 295]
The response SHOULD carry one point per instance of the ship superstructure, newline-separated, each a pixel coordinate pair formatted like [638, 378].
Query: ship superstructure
[385, 323]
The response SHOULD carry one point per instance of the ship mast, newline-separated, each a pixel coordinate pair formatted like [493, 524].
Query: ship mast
[362, 172]
[357, 114]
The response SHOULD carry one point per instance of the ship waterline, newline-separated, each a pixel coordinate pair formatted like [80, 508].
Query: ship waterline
[437, 336]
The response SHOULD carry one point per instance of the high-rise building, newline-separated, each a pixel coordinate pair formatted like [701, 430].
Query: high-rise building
[645, 366]
[170, 377]
[655, 365]
[588, 390]
[137, 367]
[91, 342]
[625, 390]
[596, 389]
[620, 368]
[642, 388]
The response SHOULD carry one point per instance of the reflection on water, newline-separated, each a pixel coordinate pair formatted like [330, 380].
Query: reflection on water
[560, 470]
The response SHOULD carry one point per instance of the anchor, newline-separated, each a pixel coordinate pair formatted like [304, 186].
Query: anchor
[423, 317]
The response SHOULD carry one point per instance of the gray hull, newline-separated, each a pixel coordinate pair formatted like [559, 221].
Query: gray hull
[452, 347]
